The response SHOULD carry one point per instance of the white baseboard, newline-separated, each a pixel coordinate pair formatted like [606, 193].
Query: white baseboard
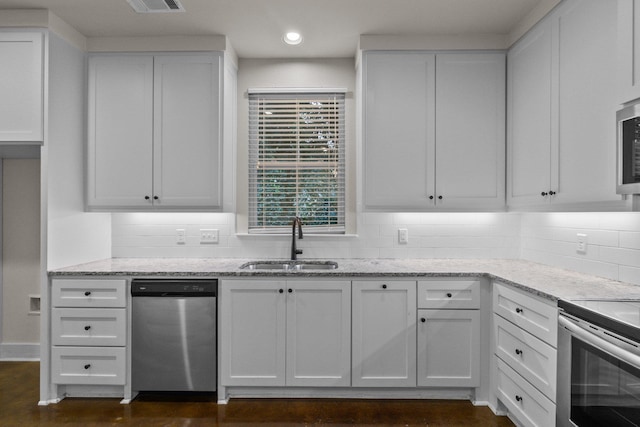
[19, 352]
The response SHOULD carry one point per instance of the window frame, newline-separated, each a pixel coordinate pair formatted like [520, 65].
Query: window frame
[319, 165]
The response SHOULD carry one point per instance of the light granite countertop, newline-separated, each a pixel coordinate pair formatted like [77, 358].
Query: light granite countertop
[545, 281]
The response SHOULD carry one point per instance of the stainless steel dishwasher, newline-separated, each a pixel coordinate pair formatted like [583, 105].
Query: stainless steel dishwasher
[173, 335]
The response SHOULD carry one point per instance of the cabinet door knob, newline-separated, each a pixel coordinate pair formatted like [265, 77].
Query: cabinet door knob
[551, 193]
[290, 290]
[87, 293]
[280, 291]
[86, 328]
[544, 193]
[147, 197]
[422, 319]
[439, 197]
[518, 398]
[518, 352]
[87, 366]
[430, 197]
[384, 286]
[519, 310]
[155, 197]
[449, 295]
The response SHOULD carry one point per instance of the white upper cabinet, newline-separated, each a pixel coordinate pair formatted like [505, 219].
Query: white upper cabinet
[628, 50]
[399, 130]
[22, 82]
[433, 131]
[561, 126]
[529, 125]
[154, 132]
[187, 130]
[470, 133]
[120, 126]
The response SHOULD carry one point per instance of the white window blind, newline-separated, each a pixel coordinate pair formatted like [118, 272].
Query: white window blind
[296, 162]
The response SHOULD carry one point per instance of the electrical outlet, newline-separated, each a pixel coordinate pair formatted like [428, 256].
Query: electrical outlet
[209, 235]
[581, 246]
[181, 236]
[403, 235]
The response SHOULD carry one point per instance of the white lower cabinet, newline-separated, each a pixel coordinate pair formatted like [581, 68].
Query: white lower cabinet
[88, 338]
[524, 401]
[448, 348]
[277, 333]
[525, 355]
[449, 332]
[88, 365]
[384, 334]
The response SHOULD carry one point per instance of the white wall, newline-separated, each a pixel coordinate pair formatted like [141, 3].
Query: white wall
[613, 242]
[20, 250]
[74, 236]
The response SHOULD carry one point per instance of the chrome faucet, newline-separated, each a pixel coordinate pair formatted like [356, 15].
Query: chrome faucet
[295, 252]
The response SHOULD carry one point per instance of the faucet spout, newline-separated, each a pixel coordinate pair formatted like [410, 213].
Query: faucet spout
[295, 251]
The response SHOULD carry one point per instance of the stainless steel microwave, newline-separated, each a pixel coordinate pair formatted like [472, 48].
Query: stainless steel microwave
[628, 150]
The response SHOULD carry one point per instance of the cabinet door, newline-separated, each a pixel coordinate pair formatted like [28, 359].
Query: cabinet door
[529, 118]
[628, 50]
[399, 138]
[449, 348]
[253, 333]
[22, 88]
[319, 333]
[584, 162]
[187, 131]
[384, 334]
[470, 131]
[120, 126]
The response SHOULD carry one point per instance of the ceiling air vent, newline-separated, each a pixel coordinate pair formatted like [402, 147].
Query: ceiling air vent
[155, 6]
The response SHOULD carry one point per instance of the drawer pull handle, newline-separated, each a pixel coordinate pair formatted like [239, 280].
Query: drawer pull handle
[280, 291]
[518, 398]
[86, 328]
[87, 293]
[384, 286]
[87, 366]
[519, 310]
[449, 295]
[518, 352]
[422, 319]
[290, 290]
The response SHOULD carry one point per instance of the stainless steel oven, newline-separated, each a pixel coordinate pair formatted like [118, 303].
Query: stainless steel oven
[598, 364]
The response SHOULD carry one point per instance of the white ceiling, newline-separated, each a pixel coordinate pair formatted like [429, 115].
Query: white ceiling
[331, 28]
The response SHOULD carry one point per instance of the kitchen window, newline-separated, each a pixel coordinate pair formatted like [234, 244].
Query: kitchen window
[296, 161]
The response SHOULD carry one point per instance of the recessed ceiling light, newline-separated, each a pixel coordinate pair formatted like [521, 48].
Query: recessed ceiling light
[292, 38]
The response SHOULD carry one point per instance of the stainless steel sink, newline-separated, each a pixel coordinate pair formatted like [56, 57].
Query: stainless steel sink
[290, 265]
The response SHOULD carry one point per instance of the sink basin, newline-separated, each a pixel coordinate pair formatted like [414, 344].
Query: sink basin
[290, 265]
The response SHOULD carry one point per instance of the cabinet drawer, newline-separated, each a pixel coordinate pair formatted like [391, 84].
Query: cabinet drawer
[533, 315]
[88, 326]
[449, 294]
[532, 358]
[526, 403]
[88, 293]
[88, 365]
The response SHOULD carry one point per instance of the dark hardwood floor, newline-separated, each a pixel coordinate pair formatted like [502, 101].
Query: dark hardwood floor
[19, 393]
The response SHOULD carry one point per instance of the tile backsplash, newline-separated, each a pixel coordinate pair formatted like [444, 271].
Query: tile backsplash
[613, 242]
[613, 239]
[431, 235]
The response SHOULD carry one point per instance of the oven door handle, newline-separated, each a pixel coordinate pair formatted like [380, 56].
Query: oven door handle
[600, 343]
